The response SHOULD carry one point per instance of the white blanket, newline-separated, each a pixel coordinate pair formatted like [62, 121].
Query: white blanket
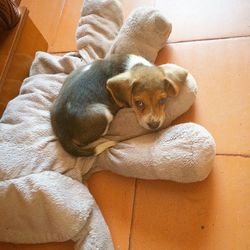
[42, 197]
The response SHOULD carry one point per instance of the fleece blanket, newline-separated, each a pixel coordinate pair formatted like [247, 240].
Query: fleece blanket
[42, 193]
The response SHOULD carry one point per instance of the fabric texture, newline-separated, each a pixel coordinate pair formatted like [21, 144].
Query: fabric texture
[42, 193]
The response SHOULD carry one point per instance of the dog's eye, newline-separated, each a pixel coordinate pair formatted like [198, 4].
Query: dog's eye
[162, 101]
[139, 104]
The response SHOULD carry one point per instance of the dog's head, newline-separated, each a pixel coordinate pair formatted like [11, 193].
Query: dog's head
[146, 89]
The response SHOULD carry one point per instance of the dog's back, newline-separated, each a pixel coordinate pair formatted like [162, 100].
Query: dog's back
[79, 114]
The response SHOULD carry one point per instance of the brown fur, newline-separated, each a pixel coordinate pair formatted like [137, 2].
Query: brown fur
[145, 89]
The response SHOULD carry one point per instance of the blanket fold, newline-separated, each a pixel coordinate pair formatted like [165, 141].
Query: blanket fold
[99, 24]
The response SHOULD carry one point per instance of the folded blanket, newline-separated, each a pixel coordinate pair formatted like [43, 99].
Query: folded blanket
[144, 33]
[42, 197]
[99, 24]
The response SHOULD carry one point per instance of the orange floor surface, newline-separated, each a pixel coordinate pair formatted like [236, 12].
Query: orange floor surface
[211, 38]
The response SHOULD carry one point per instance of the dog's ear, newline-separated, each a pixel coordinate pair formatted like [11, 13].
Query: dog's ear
[120, 87]
[175, 77]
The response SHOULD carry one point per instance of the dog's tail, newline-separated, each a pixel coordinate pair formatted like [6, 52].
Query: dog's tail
[93, 149]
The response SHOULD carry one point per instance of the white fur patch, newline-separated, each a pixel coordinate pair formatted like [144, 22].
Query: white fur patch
[87, 67]
[134, 60]
[109, 117]
[68, 105]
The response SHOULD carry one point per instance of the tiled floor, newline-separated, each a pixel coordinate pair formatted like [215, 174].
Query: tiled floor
[211, 38]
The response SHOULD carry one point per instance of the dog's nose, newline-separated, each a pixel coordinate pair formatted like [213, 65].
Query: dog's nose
[153, 125]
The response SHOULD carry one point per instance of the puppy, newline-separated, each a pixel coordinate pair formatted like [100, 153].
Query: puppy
[92, 94]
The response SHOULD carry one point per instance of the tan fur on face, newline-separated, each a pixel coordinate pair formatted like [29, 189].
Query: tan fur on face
[149, 87]
[147, 84]
[153, 110]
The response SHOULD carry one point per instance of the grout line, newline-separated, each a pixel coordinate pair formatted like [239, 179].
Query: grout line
[57, 26]
[132, 217]
[167, 43]
[209, 39]
[234, 155]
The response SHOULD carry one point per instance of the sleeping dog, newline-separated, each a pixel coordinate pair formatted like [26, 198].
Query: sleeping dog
[92, 94]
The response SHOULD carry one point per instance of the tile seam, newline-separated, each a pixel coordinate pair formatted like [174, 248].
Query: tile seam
[132, 217]
[234, 155]
[167, 43]
[50, 46]
[208, 39]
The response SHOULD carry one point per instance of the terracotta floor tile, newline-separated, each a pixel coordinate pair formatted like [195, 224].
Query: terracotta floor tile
[65, 34]
[58, 25]
[69, 20]
[192, 20]
[130, 5]
[115, 195]
[221, 68]
[46, 15]
[196, 20]
[213, 214]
